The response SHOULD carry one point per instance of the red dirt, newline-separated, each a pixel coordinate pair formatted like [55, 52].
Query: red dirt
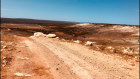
[50, 58]
[54, 59]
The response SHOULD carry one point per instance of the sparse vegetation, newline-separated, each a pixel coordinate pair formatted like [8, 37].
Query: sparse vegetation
[105, 42]
[103, 34]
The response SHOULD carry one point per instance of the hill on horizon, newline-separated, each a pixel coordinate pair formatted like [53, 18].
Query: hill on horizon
[37, 21]
[33, 21]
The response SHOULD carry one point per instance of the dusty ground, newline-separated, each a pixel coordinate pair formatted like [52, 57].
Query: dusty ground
[51, 58]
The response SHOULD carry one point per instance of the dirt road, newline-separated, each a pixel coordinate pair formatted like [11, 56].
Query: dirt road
[50, 58]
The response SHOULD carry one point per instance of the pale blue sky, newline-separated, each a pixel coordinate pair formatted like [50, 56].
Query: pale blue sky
[96, 11]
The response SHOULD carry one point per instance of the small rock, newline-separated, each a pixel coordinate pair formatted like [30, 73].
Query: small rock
[2, 50]
[9, 29]
[39, 34]
[1, 41]
[132, 64]
[130, 53]
[4, 62]
[51, 35]
[119, 77]
[137, 52]
[4, 47]
[4, 57]
[56, 68]
[3, 65]
[137, 60]
[89, 43]
[22, 74]
[109, 47]
[19, 51]
[77, 41]
[57, 37]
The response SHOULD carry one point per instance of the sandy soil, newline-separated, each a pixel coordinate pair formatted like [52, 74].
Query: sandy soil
[50, 58]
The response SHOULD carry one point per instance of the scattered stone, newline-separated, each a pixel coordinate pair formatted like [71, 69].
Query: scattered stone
[9, 29]
[39, 34]
[1, 41]
[4, 57]
[136, 52]
[125, 51]
[109, 47]
[57, 37]
[2, 50]
[132, 64]
[112, 50]
[3, 65]
[22, 74]
[56, 68]
[137, 59]
[77, 41]
[4, 47]
[130, 53]
[119, 77]
[89, 43]
[51, 35]
[4, 62]
[19, 51]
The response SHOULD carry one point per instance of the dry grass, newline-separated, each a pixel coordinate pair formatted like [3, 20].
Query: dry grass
[99, 34]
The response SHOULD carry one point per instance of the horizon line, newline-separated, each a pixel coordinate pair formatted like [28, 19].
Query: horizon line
[67, 21]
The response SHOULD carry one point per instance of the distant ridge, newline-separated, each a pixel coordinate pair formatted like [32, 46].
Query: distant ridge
[33, 21]
[36, 21]
[111, 24]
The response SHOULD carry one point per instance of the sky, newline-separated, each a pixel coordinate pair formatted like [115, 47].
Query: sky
[94, 11]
